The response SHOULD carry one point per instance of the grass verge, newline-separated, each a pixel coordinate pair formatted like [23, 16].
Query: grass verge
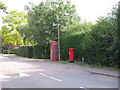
[88, 65]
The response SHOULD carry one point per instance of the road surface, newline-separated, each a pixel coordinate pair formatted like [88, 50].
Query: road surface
[18, 72]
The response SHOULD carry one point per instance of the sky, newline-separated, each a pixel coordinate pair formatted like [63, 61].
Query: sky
[88, 10]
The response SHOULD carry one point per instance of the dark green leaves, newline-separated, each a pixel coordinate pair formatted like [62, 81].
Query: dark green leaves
[42, 17]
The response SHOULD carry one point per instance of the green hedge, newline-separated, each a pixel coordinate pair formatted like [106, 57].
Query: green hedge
[5, 51]
[37, 51]
[25, 51]
[72, 41]
[98, 46]
[41, 51]
[9, 51]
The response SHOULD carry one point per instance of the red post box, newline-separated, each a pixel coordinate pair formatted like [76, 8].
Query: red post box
[71, 54]
[54, 55]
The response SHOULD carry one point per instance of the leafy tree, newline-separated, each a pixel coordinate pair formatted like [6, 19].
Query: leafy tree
[42, 17]
[26, 35]
[118, 24]
[11, 31]
[97, 43]
[10, 38]
[2, 6]
[74, 37]
[102, 41]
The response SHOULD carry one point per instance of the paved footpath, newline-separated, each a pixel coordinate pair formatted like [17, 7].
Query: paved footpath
[18, 72]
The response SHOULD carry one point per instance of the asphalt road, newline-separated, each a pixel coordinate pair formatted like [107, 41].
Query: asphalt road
[17, 72]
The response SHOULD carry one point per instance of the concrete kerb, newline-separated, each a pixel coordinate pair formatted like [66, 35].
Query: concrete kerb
[105, 74]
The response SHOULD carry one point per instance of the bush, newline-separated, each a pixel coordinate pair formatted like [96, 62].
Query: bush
[5, 51]
[74, 37]
[98, 45]
[10, 51]
[25, 51]
[37, 51]
[41, 51]
[30, 52]
[72, 41]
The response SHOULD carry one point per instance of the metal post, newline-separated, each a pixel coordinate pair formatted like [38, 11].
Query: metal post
[58, 40]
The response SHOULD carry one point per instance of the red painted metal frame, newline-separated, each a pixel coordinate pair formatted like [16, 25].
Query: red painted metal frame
[53, 55]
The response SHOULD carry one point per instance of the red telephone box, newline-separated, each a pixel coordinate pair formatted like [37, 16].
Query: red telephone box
[54, 51]
[71, 54]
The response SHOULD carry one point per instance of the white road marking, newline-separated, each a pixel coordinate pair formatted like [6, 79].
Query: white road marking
[23, 74]
[43, 75]
[82, 87]
[1, 57]
[55, 78]
[3, 76]
[50, 77]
